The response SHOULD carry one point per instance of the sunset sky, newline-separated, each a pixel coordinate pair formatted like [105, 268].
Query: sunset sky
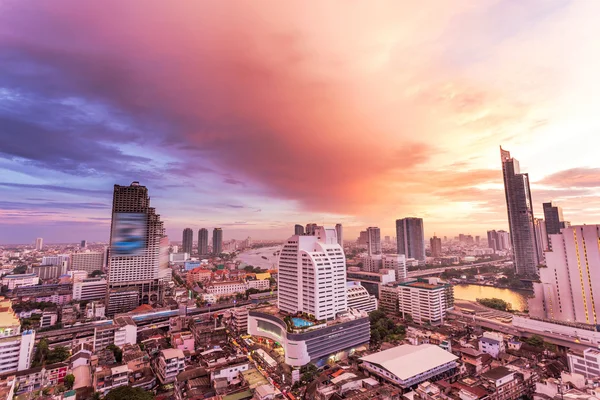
[256, 115]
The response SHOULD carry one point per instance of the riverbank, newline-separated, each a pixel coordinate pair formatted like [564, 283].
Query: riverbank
[516, 298]
[527, 291]
[263, 257]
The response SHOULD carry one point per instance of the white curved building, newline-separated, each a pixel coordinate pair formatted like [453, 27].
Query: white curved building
[359, 298]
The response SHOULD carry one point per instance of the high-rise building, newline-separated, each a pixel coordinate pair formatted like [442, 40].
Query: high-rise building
[492, 238]
[16, 350]
[362, 238]
[217, 241]
[298, 229]
[39, 244]
[339, 230]
[541, 238]
[436, 246]
[411, 238]
[310, 229]
[134, 253]
[312, 275]
[188, 240]
[83, 244]
[553, 215]
[520, 216]
[387, 240]
[477, 240]
[566, 286]
[89, 261]
[203, 241]
[503, 238]
[373, 241]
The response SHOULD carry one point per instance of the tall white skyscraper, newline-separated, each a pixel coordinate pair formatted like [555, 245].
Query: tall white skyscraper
[312, 275]
[134, 255]
[373, 241]
[340, 234]
[39, 244]
[571, 277]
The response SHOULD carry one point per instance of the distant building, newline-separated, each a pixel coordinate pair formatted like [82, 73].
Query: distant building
[59, 259]
[187, 240]
[359, 298]
[39, 244]
[372, 281]
[373, 241]
[298, 229]
[395, 262]
[46, 272]
[203, 241]
[217, 241]
[340, 234]
[566, 286]
[498, 240]
[362, 238]
[541, 238]
[19, 280]
[520, 216]
[553, 215]
[90, 289]
[411, 238]
[310, 229]
[407, 365]
[89, 261]
[426, 301]
[83, 244]
[436, 246]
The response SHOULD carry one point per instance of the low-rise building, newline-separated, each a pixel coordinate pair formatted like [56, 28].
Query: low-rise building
[227, 288]
[109, 378]
[359, 298]
[586, 364]
[20, 280]
[407, 365]
[169, 364]
[492, 343]
[48, 319]
[183, 341]
[89, 261]
[259, 284]
[90, 289]
[198, 274]
[239, 319]
[372, 281]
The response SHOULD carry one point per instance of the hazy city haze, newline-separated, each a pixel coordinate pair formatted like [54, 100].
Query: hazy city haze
[254, 119]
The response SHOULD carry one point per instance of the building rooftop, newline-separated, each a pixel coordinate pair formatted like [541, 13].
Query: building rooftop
[497, 373]
[406, 361]
[172, 353]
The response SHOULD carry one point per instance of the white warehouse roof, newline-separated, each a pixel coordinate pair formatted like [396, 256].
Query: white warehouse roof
[406, 361]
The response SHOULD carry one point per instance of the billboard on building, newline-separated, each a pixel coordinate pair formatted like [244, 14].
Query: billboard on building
[129, 234]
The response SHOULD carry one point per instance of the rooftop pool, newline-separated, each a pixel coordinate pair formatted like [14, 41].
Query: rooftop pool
[301, 323]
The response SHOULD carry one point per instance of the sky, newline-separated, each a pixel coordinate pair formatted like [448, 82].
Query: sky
[254, 116]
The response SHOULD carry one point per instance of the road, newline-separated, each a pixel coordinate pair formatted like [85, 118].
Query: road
[434, 271]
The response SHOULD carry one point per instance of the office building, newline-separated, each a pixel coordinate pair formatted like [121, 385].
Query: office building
[217, 241]
[492, 238]
[359, 298]
[58, 259]
[498, 240]
[407, 365]
[376, 263]
[339, 230]
[310, 229]
[541, 238]
[436, 246]
[45, 272]
[20, 280]
[83, 244]
[566, 286]
[39, 244]
[373, 241]
[362, 238]
[134, 254]
[203, 242]
[312, 275]
[16, 347]
[586, 364]
[410, 237]
[187, 241]
[372, 281]
[298, 230]
[425, 300]
[90, 289]
[89, 261]
[520, 216]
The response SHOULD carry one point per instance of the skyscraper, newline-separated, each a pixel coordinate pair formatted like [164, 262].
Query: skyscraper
[566, 286]
[39, 244]
[203, 241]
[298, 229]
[310, 229]
[436, 246]
[134, 253]
[373, 241]
[83, 244]
[312, 275]
[188, 240]
[340, 234]
[362, 238]
[217, 241]
[411, 238]
[520, 216]
[553, 215]
[492, 238]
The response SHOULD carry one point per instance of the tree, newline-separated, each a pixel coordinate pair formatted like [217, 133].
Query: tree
[21, 269]
[69, 381]
[118, 353]
[535, 341]
[129, 393]
[59, 354]
[497, 304]
[96, 273]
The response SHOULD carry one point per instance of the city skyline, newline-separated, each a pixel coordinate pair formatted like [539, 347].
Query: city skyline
[192, 119]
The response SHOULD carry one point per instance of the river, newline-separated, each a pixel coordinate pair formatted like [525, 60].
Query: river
[516, 298]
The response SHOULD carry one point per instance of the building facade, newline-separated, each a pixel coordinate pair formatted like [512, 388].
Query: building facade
[89, 261]
[553, 215]
[339, 230]
[373, 241]
[90, 289]
[520, 216]
[410, 238]
[217, 241]
[359, 298]
[134, 255]
[203, 241]
[298, 229]
[435, 244]
[586, 364]
[312, 275]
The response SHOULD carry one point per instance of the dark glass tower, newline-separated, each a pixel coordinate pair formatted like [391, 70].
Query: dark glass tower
[520, 216]
[188, 240]
[411, 238]
[217, 241]
[203, 241]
